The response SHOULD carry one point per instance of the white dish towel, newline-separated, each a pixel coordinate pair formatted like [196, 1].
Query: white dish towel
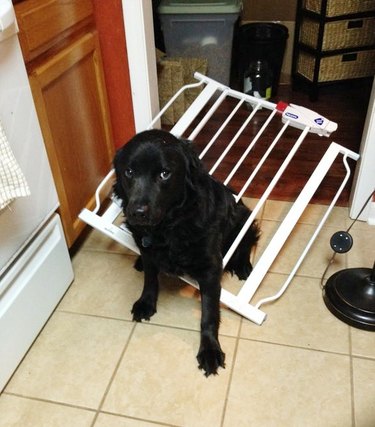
[12, 180]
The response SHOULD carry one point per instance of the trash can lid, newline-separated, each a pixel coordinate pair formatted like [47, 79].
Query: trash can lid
[199, 6]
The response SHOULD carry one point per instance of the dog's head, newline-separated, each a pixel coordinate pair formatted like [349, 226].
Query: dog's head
[153, 172]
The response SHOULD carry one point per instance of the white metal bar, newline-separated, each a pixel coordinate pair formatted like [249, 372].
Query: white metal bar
[120, 235]
[235, 93]
[262, 160]
[100, 188]
[311, 241]
[172, 100]
[264, 197]
[208, 115]
[231, 301]
[244, 308]
[235, 138]
[112, 212]
[220, 130]
[250, 147]
[195, 108]
[264, 263]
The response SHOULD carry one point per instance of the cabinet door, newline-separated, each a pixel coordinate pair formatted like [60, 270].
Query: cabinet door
[70, 98]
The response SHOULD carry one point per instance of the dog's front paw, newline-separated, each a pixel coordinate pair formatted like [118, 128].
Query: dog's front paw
[143, 309]
[210, 356]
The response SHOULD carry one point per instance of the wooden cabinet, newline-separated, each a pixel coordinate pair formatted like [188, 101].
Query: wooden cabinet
[60, 45]
[334, 41]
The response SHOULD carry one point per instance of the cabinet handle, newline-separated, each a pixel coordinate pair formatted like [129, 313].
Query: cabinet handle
[349, 57]
[357, 23]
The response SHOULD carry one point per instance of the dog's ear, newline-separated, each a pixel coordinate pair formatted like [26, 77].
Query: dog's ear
[117, 188]
[194, 166]
[119, 192]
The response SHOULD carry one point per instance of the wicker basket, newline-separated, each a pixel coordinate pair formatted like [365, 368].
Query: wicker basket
[173, 73]
[338, 67]
[340, 7]
[339, 34]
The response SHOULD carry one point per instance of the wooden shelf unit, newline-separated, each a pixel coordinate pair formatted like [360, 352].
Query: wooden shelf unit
[334, 41]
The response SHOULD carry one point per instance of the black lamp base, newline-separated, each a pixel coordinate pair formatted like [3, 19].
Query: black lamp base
[350, 295]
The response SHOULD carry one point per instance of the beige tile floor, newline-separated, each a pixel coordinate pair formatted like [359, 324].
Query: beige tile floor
[92, 366]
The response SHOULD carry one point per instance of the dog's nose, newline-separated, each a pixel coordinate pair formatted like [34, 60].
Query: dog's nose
[140, 211]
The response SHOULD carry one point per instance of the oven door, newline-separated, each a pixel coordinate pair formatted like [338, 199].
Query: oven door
[24, 216]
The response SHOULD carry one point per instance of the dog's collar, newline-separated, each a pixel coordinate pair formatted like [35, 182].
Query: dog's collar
[146, 241]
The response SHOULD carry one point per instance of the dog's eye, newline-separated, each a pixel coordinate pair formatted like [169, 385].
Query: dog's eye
[165, 174]
[129, 173]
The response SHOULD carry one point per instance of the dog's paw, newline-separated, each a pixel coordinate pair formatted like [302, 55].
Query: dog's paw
[138, 265]
[244, 271]
[143, 310]
[210, 357]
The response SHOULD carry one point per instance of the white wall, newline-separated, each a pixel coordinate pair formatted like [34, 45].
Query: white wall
[139, 31]
[364, 180]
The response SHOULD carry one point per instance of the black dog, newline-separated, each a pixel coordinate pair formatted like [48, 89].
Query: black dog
[183, 222]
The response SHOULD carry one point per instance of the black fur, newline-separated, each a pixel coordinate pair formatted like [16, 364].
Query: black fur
[183, 221]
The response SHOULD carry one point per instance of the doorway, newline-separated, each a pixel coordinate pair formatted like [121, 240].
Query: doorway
[344, 103]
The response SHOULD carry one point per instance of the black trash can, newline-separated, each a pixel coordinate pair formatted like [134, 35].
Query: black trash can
[264, 43]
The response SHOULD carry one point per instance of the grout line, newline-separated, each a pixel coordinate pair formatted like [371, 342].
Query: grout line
[351, 377]
[242, 319]
[158, 423]
[108, 252]
[370, 358]
[53, 402]
[297, 347]
[97, 316]
[113, 375]
[231, 374]
[128, 253]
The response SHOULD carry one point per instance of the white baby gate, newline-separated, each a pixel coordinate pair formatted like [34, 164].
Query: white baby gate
[307, 121]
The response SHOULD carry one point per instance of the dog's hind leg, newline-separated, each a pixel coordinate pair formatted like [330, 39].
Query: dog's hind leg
[145, 306]
[239, 263]
[138, 265]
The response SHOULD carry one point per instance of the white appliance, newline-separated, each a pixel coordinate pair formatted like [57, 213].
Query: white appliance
[35, 267]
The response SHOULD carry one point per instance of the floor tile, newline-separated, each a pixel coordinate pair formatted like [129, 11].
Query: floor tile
[72, 360]
[317, 257]
[158, 379]
[251, 203]
[104, 285]
[362, 254]
[106, 420]
[363, 343]
[313, 214]
[364, 392]
[298, 318]
[21, 412]
[283, 386]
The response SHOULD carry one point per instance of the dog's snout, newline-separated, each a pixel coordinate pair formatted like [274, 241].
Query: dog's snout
[138, 213]
[141, 211]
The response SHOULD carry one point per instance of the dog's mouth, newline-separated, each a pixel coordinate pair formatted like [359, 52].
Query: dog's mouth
[142, 222]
